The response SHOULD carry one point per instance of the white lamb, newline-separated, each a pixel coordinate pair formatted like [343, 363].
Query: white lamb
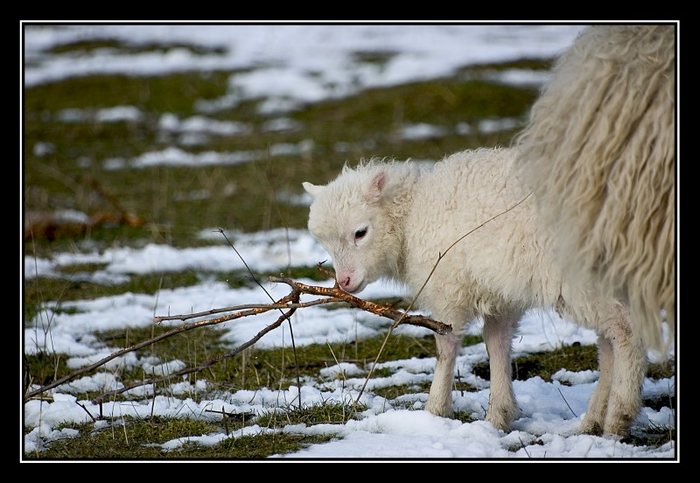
[394, 219]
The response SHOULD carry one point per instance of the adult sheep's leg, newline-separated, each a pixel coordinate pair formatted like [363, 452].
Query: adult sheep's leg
[440, 397]
[629, 366]
[594, 421]
[498, 335]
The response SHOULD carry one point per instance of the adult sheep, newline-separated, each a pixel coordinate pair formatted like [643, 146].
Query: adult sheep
[394, 220]
[599, 154]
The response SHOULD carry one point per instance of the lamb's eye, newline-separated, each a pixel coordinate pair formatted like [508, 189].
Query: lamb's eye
[359, 234]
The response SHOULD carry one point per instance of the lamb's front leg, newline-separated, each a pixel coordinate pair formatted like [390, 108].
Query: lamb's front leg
[498, 335]
[440, 397]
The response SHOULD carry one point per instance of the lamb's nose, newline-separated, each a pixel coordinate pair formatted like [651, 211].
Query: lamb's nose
[345, 282]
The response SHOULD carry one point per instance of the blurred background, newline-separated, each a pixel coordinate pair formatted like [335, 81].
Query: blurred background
[137, 134]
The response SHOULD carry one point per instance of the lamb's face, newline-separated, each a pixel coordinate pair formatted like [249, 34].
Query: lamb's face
[348, 221]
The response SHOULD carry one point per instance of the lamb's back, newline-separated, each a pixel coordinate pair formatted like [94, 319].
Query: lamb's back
[503, 261]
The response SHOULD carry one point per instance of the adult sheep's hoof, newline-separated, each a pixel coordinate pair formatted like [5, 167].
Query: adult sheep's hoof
[442, 410]
[502, 418]
[591, 426]
[618, 426]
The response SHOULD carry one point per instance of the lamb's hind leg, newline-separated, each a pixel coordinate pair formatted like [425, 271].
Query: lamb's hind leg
[440, 397]
[498, 335]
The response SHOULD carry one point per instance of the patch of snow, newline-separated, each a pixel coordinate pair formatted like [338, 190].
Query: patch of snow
[414, 132]
[163, 369]
[72, 216]
[182, 388]
[287, 65]
[215, 438]
[303, 199]
[463, 129]
[194, 195]
[521, 77]
[72, 115]
[119, 114]
[343, 369]
[201, 124]
[38, 437]
[37, 267]
[112, 164]
[101, 381]
[173, 156]
[177, 157]
[42, 149]
[106, 115]
[575, 377]
[280, 124]
[490, 126]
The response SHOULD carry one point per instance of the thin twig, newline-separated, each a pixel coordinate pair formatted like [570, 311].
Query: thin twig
[291, 331]
[289, 303]
[398, 316]
[233, 308]
[255, 279]
[86, 410]
[140, 345]
[206, 365]
[567, 403]
[524, 448]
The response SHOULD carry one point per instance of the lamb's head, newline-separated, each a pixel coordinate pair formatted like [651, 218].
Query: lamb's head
[351, 217]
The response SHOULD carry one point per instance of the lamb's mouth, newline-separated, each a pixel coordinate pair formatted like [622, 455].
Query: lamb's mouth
[356, 289]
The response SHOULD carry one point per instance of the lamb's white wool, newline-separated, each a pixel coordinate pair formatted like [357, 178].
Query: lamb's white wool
[599, 153]
[393, 220]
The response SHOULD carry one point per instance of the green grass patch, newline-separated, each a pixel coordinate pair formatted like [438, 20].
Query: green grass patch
[125, 439]
[327, 413]
[43, 368]
[372, 117]
[137, 439]
[575, 357]
[523, 63]
[252, 447]
[656, 403]
[392, 392]
[242, 197]
[277, 368]
[81, 267]
[171, 93]
[654, 436]
[86, 46]
[662, 370]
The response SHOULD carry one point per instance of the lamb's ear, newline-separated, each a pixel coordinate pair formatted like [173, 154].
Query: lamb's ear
[375, 190]
[312, 189]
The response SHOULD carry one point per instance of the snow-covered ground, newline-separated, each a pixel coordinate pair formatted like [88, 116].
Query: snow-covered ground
[552, 411]
[288, 65]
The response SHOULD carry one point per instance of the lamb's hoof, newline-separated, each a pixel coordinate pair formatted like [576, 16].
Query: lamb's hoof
[442, 410]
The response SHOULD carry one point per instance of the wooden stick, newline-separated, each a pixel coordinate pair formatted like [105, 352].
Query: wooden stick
[290, 303]
[339, 295]
[207, 364]
[140, 345]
